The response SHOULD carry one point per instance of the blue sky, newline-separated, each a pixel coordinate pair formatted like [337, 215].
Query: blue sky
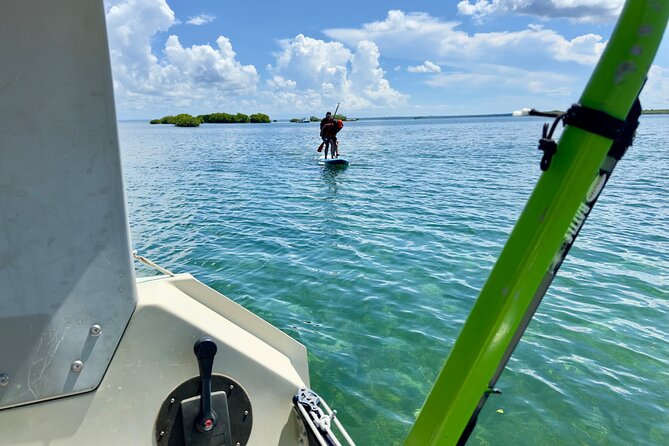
[390, 58]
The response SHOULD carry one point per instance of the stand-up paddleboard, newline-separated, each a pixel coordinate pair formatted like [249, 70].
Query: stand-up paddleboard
[334, 162]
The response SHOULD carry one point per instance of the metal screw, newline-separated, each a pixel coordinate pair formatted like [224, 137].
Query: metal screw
[231, 387]
[172, 400]
[95, 330]
[238, 444]
[246, 412]
[4, 380]
[77, 366]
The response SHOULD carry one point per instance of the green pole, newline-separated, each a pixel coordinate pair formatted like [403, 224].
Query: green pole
[531, 256]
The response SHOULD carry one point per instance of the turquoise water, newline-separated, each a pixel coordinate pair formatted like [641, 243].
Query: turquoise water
[375, 267]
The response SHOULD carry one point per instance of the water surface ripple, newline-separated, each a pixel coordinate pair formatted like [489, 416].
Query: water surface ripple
[375, 267]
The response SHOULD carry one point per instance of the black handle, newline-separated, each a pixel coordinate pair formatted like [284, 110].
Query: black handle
[205, 350]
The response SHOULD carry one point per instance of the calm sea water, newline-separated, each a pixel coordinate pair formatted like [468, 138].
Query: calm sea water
[375, 267]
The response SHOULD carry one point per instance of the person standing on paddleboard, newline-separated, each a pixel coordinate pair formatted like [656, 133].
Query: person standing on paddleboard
[329, 135]
[328, 119]
[324, 122]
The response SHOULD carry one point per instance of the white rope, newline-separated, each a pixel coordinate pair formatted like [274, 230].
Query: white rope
[148, 262]
[311, 424]
[333, 417]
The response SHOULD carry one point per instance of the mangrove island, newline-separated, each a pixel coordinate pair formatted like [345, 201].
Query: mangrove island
[186, 120]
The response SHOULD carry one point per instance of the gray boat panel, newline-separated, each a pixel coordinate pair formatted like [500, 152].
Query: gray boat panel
[66, 278]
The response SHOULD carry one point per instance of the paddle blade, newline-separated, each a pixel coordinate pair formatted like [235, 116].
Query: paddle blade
[320, 148]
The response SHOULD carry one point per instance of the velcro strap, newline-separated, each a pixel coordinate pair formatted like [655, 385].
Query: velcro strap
[595, 121]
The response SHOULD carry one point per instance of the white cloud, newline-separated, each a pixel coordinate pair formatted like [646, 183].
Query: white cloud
[130, 25]
[427, 67]
[281, 83]
[508, 79]
[328, 72]
[498, 89]
[308, 74]
[312, 62]
[655, 93]
[201, 19]
[525, 62]
[204, 66]
[419, 36]
[415, 36]
[585, 49]
[367, 77]
[581, 11]
[183, 76]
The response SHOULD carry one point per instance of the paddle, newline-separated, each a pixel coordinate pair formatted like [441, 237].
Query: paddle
[336, 141]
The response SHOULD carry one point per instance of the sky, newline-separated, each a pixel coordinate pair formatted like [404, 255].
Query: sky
[376, 58]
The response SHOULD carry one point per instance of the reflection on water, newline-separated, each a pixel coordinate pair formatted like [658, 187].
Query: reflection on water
[331, 176]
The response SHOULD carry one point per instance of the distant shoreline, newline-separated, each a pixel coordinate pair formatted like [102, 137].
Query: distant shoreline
[660, 111]
[491, 115]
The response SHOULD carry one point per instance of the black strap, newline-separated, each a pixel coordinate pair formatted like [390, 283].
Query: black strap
[547, 144]
[626, 138]
[593, 121]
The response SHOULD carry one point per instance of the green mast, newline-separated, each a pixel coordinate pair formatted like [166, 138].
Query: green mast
[542, 236]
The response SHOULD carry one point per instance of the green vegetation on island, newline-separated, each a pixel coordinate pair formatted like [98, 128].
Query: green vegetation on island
[186, 120]
[180, 120]
[239, 118]
[164, 120]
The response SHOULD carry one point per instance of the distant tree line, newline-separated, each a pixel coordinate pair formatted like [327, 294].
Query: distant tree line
[226, 118]
[186, 120]
[317, 119]
[180, 120]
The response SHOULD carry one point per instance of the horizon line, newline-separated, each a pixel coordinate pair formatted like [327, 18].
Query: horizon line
[481, 115]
